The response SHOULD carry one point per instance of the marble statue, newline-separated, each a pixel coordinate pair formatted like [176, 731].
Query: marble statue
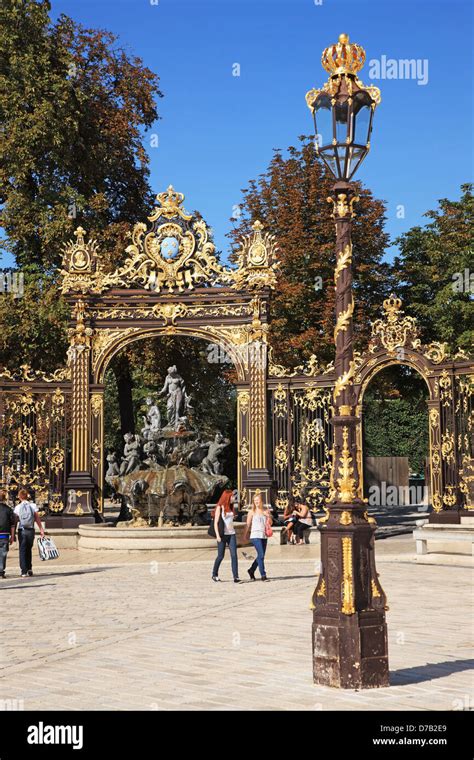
[131, 454]
[168, 474]
[211, 463]
[113, 465]
[175, 389]
[151, 420]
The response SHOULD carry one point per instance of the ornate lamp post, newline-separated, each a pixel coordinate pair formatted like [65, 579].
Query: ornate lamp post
[349, 630]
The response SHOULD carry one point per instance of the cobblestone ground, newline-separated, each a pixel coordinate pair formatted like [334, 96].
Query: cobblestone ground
[102, 631]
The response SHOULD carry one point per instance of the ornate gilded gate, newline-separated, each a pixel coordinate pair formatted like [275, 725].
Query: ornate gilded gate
[170, 284]
[52, 427]
[301, 458]
[35, 434]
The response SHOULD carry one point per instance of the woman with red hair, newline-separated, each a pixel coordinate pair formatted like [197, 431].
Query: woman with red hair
[225, 533]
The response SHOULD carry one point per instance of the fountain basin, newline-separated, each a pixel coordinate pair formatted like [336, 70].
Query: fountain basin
[100, 537]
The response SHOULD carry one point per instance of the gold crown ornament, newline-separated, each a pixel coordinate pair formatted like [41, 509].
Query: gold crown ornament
[343, 57]
[392, 305]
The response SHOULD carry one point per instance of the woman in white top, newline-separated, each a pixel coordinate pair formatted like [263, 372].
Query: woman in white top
[228, 538]
[258, 519]
[303, 523]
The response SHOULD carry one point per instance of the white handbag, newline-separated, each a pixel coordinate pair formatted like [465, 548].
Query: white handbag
[47, 548]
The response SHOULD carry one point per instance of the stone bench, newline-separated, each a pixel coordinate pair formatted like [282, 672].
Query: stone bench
[454, 539]
[276, 538]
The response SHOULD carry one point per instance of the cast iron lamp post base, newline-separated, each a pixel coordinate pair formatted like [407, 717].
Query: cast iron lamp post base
[349, 631]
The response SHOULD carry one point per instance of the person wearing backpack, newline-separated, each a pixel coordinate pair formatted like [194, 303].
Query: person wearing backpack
[7, 530]
[27, 515]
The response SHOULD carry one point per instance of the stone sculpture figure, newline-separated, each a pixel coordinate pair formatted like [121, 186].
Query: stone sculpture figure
[131, 454]
[151, 420]
[211, 463]
[176, 401]
[113, 468]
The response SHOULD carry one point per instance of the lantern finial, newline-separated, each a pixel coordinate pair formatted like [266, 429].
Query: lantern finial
[343, 57]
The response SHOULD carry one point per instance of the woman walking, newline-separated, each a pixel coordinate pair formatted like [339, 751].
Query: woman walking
[225, 537]
[259, 524]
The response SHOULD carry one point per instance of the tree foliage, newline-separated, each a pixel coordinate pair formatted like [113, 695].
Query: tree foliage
[395, 417]
[290, 199]
[73, 106]
[434, 272]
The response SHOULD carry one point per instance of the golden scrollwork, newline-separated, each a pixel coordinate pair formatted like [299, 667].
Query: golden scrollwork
[27, 374]
[81, 272]
[348, 605]
[24, 437]
[346, 483]
[445, 386]
[344, 260]
[313, 397]
[282, 500]
[447, 447]
[257, 261]
[344, 380]
[97, 404]
[280, 401]
[311, 368]
[96, 449]
[345, 518]
[244, 401]
[342, 206]
[244, 451]
[55, 457]
[395, 329]
[57, 405]
[80, 335]
[105, 338]
[374, 589]
[343, 319]
[449, 496]
[436, 352]
[281, 454]
[321, 589]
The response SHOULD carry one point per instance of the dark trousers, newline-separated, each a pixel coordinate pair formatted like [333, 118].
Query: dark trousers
[300, 529]
[4, 544]
[231, 542]
[26, 537]
[260, 545]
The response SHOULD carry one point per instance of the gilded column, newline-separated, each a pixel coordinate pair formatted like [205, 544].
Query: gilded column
[258, 478]
[80, 486]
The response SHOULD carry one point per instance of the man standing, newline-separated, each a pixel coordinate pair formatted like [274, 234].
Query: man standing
[7, 530]
[27, 515]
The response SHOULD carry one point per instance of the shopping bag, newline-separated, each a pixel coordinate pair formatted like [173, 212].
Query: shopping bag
[47, 548]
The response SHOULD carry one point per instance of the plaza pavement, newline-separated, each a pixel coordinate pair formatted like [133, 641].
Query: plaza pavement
[107, 631]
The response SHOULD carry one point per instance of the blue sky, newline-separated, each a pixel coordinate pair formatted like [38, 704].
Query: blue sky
[217, 130]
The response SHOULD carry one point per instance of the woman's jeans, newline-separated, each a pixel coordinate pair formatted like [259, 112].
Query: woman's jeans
[26, 537]
[231, 542]
[260, 545]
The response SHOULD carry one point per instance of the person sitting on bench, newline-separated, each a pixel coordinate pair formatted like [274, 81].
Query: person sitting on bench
[289, 519]
[303, 523]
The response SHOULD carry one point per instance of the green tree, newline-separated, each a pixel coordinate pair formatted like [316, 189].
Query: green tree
[434, 272]
[73, 110]
[395, 416]
[290, 199]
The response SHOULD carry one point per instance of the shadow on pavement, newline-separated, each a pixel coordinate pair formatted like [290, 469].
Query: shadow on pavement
[429, 672]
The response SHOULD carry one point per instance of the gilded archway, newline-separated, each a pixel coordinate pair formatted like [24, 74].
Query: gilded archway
[171, 283]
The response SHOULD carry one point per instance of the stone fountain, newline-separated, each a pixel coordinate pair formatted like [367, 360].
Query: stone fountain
[167, 474]
[164, 478]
